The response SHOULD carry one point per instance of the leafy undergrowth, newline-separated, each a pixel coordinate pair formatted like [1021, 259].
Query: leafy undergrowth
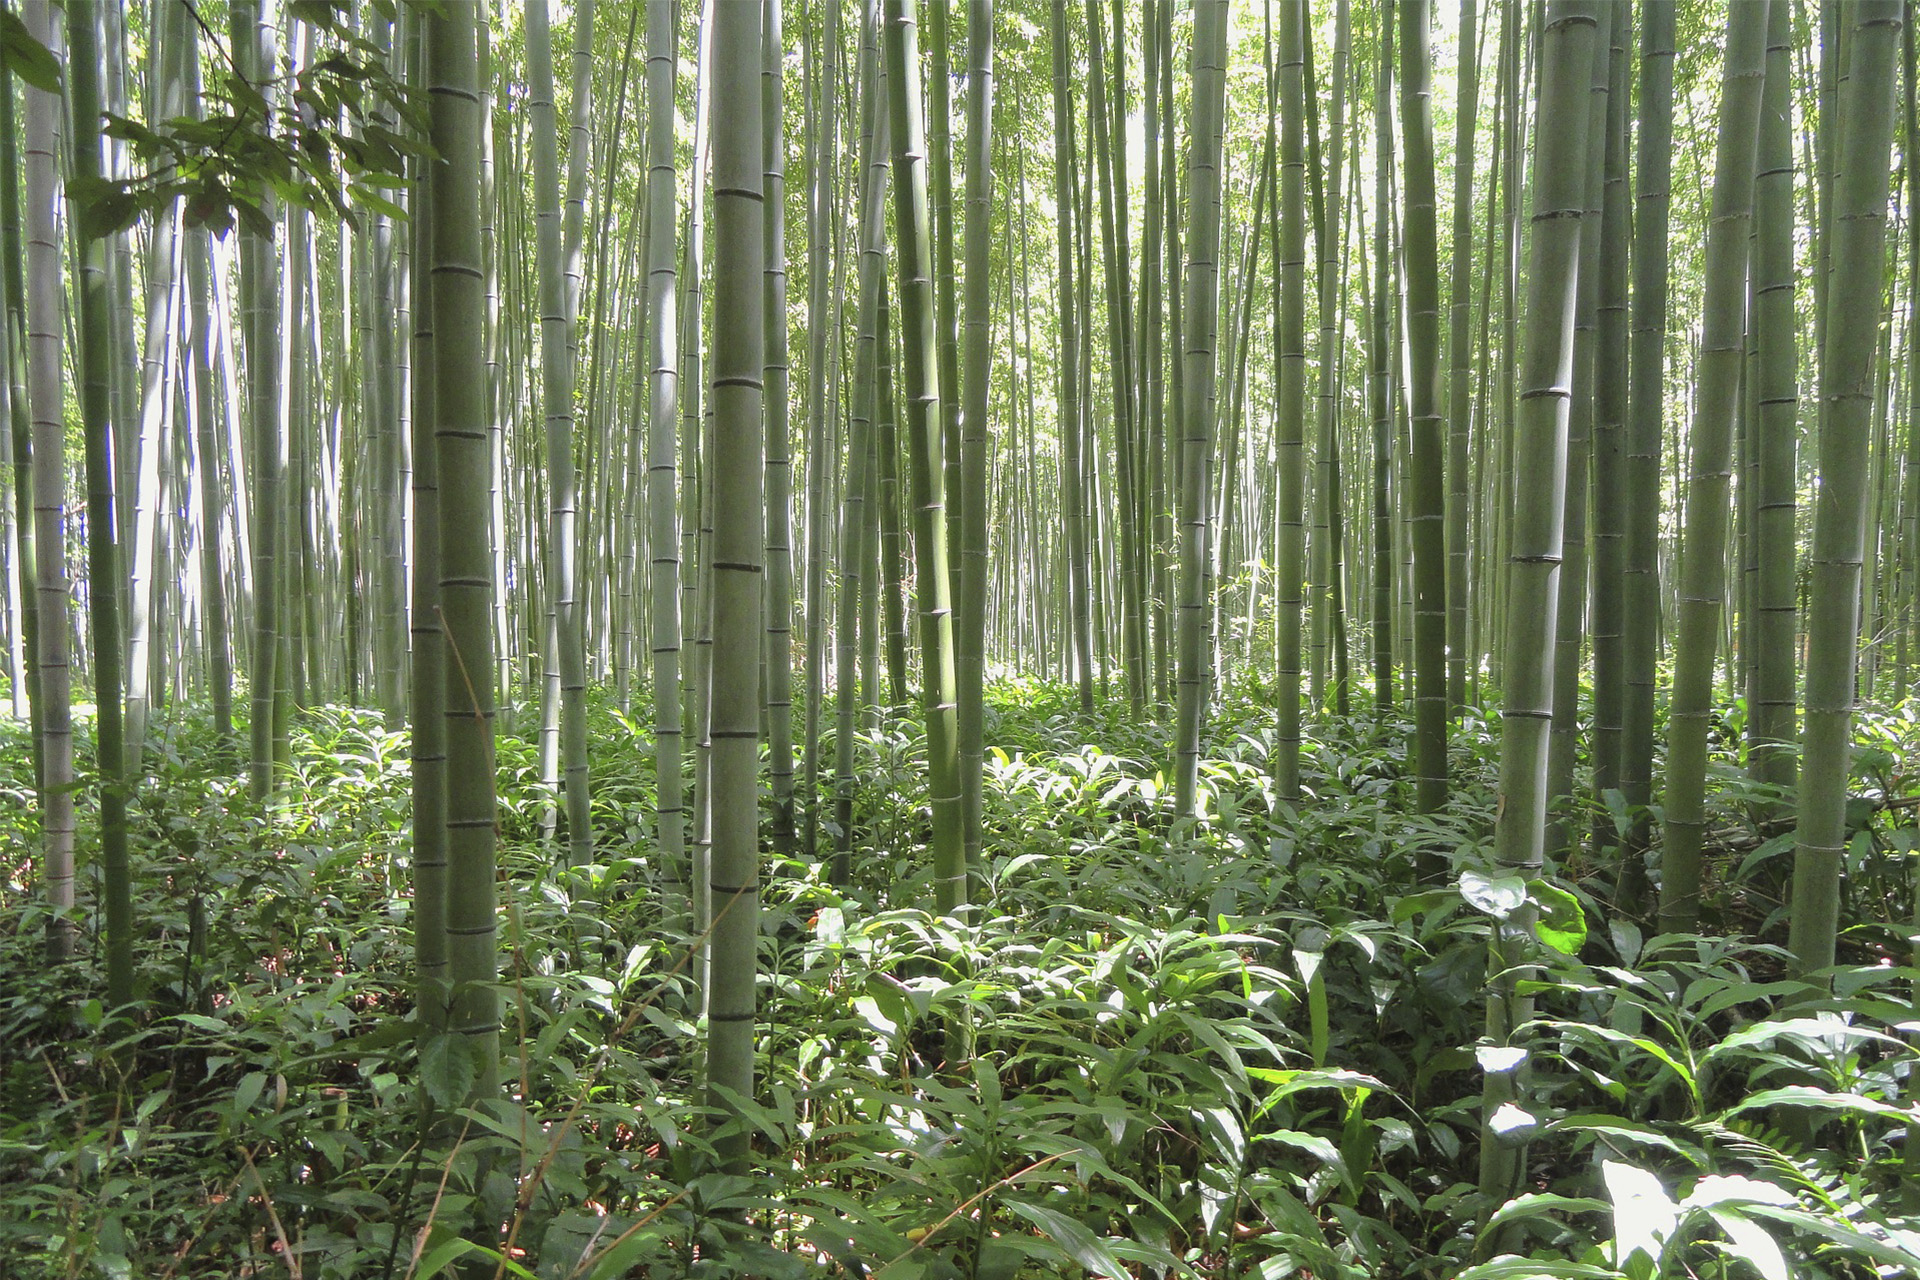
[1244, 1045]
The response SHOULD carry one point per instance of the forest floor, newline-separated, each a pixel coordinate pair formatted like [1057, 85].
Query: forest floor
[1247, 1044]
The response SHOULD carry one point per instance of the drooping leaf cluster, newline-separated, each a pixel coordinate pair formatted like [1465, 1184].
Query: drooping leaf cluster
[335, 134]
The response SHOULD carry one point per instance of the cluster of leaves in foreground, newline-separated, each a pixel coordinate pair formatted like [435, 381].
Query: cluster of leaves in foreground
[1238, 1046]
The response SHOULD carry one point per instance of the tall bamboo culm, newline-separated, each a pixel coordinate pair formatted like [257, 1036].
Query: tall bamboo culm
[95, 361]
[463, 453]
[1839, 527]
[1197, 406]
[934, 584]
[663, 472]
[46, 395]
[1703, 559]
[739, 551]
[1546, 372]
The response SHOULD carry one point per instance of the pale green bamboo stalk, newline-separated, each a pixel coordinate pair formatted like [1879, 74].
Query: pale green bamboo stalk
[939, 109]
[1165, 491]
[1426, 487]
[971, 632]
[1459, 349]
[1773, 701]
[1559, 182]
[1380, 378]
[1329, 644]
[1197, 409]
[46, 398]
[779, 457]
[566, 587]
[1645, 420]
[663, 390]
[1857, 249]
[696, 533]
[463, 453]
[387, 449]
[96, 354]
[156, 398]
[739, 550]
[1610, 381]
[1106, 174]
[891, 559]
[1570, 631]
[19, 428]
[563, 744]
[254, 52]
[823, 315]
[1703, 556]
[216, 637]
[1290, 319]
[494, 343]
[855, 497]
[934, 586]
[300, 616]
[428, 657]
[1910, 508]
[299, 611]
[1152, 374]
[1072, 480]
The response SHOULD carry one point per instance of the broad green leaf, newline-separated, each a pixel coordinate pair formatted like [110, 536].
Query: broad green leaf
[1512, 1267]
[1080, 1244]
[27, 57]
[1616, 802]
[1627, 939]
[1562, 923]
[1499, 1059]
[1799, 1095]
[447, 1068]
[1622, 1130]
[248, 1091]
[1313, 1144]
[1644, 1215]
[1821, 1035]
[202, 1022]
[1651, 1048]
[1717, 1189]
[1497, 896]
[1900, 1250]
[1753, 1244]
[1414, 904]
[1512, 1124]
[1539, 1202]
[442, 1255]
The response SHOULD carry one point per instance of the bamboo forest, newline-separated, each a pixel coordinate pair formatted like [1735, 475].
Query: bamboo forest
[937, 639]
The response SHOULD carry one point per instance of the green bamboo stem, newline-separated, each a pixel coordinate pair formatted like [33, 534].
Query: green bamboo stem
[462, 449]
[1426, 479]
[1197, 408]
[1559, 196]
[46, 402]
[1857, 252]
[739, 550]
[933, 587]
[1773, 700]
[1703, 556]
[95, 357]
[970, 637]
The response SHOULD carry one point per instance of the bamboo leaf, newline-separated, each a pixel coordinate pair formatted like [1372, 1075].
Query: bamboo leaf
[27, 57]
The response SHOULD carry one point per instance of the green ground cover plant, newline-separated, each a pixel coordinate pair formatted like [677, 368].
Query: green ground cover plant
[1239, 1045]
